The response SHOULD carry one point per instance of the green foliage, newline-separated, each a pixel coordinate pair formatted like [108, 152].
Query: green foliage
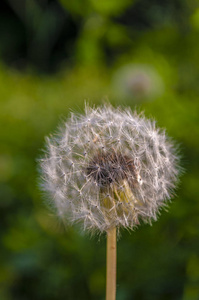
[40, 259]
[105, 8]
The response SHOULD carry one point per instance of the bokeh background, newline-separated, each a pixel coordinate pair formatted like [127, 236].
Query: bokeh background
[54, 56]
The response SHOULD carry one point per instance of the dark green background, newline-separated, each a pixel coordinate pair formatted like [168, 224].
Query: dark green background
[54, 56]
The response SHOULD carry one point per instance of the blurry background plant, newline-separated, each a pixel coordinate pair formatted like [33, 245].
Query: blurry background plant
[53, 55]
[137, 82]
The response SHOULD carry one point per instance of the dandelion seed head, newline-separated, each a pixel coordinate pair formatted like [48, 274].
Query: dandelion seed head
[109, 167]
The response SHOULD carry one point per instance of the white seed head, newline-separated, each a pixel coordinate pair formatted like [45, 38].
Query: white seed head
[137, 81]
[109, 167]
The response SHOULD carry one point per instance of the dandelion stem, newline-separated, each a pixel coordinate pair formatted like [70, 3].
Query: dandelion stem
[111, 264]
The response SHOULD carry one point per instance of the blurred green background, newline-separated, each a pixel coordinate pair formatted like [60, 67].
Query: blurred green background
[54, 55]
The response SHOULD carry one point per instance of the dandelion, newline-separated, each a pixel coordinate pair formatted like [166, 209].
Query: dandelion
[137, 82]
[109, 168]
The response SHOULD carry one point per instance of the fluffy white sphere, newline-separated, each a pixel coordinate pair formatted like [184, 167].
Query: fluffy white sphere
[109, 167]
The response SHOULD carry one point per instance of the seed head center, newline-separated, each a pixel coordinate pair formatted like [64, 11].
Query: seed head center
[106, 168]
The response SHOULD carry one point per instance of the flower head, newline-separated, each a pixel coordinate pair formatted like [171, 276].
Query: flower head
[137, 82]
[109, 167]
